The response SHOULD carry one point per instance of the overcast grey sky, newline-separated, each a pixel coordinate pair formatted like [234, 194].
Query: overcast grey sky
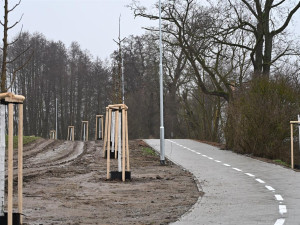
[92, 23]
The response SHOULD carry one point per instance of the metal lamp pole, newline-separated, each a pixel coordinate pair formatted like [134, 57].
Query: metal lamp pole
[162, 129]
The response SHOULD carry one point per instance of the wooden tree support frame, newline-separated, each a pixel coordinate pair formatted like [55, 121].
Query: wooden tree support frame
[292, 141]
[52, 134]
[71, 131]
[99, 127]
[124, 136]
[85, 130]
[11, 99]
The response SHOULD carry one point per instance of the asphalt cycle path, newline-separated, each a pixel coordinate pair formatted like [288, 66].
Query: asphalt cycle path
[237, 189]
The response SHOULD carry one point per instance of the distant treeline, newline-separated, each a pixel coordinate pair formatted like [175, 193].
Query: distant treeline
[229, 76]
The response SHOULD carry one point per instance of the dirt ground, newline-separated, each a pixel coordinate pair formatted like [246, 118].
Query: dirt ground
[65, 183]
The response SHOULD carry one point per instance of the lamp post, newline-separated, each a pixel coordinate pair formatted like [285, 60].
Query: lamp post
[162, 129]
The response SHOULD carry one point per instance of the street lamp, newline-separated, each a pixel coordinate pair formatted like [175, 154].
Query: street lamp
[162, 129]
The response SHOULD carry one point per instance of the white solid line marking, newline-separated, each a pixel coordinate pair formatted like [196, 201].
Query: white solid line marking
[218, 161]
[282, 209]
[226, 164]
[278, 197]
[237, 169]
[250, 175]
[280, 222]
[198, 153]
[260, 181]
[270, 188]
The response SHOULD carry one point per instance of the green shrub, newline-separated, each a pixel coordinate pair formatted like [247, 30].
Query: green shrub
[258, 118]
[26, 140]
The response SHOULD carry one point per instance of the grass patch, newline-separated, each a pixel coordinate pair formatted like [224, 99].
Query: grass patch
[278, 161]
[148, 151]
[26, 140]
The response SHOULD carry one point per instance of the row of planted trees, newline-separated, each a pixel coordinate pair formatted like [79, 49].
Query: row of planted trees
[230, 75]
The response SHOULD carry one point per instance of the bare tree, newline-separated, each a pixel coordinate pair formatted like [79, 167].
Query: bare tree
[192, 27]
[264, 23]
[6, 44]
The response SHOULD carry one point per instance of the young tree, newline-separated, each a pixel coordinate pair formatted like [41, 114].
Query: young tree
[4, 88]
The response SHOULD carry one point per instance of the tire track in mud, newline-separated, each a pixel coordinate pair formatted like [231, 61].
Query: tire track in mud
[45, 155]
[39, 147]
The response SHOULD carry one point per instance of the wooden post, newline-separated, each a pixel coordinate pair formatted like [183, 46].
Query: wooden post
[96, 130]
[70, 133]
[52, 134]
[20, 162]
[12, 99]
[102, 127]
[127, 146]
[105, 133]
[292, 146]
[87, 131]
[108, 144]
[116, 133]
[73, 134]
[123, 144]
[99, 118]
[10, 166]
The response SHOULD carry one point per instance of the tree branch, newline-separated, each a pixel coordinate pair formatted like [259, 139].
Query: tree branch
[288, 19]
[18, 69]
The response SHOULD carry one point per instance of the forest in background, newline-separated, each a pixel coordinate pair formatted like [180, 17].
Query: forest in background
[231, 75]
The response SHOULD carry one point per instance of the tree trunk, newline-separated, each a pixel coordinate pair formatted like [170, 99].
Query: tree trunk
[2, 158]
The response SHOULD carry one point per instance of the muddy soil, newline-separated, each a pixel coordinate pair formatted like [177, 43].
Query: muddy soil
[65, 183]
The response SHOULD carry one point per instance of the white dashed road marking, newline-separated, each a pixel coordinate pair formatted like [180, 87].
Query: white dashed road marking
[250, 175]
[260, 181]
[278, 197]
[280, 222]
[282, 208]
[270, 188]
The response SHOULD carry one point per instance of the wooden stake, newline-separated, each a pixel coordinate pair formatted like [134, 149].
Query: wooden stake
[96, 131]
[102, 127]
[20, 162]
[292, 146]
[70, 131]
[127, 146]
[10, 166]
[108, 144]
[123, 144]
[105, 135]
[117, 134]
[86, 136]
[87, 131]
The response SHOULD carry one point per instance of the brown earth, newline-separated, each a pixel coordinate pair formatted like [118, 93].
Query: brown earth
[65, 183]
